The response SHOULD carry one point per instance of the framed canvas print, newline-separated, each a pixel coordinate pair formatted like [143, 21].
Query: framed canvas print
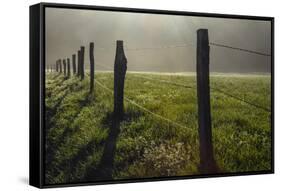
[128, 95]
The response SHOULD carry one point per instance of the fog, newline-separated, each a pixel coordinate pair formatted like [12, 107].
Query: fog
[145, 37]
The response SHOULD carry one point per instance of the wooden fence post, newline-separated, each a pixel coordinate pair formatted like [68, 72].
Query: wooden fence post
[207, 162]
[64, 67]
[82, 51]
[92, 67]
[57, 65]
[74, 64]
[68, 67]
[120, 68]
[60, 66]
[78, 63]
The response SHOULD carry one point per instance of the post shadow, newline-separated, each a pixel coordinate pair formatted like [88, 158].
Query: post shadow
[60, 139]
[105, 168]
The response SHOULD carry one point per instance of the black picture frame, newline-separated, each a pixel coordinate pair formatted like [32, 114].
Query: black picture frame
[37, 91]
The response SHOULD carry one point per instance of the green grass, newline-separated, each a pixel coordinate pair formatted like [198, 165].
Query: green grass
[78, 125]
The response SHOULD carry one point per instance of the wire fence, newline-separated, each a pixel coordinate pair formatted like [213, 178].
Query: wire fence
[184, 45]
[194, 87]
[214, 89]
[142, 107]
[239, 49]
[174, 46]
[202, 85]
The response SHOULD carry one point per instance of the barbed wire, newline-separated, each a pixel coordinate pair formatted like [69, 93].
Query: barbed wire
[103, 66]
[240, 99]
[159, 47]
[214, 89]
[211, 88]
[143, 108]
[168, 82]
[126, 48]
[185, 45]
[239, 49]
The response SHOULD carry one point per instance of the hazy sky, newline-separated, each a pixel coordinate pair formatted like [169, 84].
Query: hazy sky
[68, 29]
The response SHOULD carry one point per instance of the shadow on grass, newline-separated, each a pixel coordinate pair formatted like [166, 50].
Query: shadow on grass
[59, 86]
[82, 156]
[69, 131]
[53, 78]
[56, 76]
[60, 139]
[57, 80]
[51, 112]
[70, 167]
[104, 170]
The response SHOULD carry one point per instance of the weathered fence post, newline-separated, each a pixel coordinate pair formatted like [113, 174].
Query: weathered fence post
[64, 67]
[74, 64]
[82, 51]
[68, 67]
[57, 65]
[120, 68]
[78, 63]
[60, 65]
[92, 67]
[207, 162]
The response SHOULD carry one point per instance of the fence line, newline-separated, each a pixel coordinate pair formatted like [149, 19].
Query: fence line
[207, 161]
[241, 100]
[186, 86]
[239, 49]
[187, 44]
[184, 46]
[214, 89]
[160, 47]
[168, 82]
[105, 67]
[149, 47]
[143, 108]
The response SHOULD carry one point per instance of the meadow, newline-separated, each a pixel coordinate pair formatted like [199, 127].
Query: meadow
[159, 133]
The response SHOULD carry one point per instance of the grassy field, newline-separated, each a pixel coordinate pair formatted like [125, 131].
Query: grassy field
[78, 125]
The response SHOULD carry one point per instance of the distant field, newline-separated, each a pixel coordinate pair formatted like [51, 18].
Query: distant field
[159, 134]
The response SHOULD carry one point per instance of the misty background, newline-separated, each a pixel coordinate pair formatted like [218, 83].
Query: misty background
[146, 37]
